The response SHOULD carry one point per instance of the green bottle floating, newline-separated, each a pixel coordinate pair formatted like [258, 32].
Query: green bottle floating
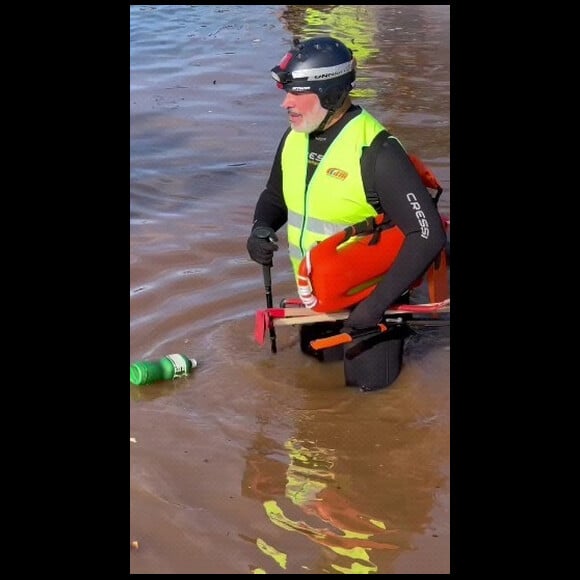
[171, 366]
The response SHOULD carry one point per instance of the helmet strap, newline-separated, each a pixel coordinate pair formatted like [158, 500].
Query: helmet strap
[331, 112]
[322, 125]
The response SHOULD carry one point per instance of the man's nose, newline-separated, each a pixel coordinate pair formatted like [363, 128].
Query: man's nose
[288, 101]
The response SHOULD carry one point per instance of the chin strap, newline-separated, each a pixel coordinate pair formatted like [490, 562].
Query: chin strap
[330, 114]
[322, 125]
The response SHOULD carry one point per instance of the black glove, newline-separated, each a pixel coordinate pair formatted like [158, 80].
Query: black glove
[261, 246]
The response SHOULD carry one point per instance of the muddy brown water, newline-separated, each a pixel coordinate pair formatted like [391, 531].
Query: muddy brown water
[261, 462]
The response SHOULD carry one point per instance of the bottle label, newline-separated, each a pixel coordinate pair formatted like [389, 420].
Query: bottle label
[179, 364]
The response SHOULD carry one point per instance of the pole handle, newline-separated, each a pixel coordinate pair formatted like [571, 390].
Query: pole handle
[344, 337]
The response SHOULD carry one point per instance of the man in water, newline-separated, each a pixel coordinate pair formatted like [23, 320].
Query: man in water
[335, 166]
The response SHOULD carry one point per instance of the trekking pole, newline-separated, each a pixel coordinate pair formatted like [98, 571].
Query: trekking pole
[264, 233]
[268, 286]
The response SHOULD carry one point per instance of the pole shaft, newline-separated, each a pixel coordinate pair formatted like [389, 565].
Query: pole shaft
[268, 286]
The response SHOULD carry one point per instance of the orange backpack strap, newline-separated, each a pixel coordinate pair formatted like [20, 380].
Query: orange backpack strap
[437, 280]
[427, 177]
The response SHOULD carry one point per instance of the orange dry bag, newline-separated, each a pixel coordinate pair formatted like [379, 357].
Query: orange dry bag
[345, 268]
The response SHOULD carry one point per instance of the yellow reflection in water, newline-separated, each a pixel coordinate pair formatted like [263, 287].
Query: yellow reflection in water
[337, 524]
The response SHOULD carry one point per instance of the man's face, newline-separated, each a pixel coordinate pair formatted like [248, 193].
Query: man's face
[304, 111]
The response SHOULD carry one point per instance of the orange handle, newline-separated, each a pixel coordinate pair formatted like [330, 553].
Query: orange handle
[344, 337]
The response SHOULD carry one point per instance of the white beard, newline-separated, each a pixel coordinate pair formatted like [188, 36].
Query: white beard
[311, 121]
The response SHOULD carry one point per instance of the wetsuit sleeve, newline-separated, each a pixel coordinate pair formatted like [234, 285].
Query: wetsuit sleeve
[394, 186]
[271, 208]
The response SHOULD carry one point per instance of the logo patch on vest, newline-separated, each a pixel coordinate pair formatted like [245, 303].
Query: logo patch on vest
[338, 173]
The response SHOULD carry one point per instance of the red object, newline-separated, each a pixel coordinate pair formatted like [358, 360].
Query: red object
[300, 315]
[335, 275]
[260, 326]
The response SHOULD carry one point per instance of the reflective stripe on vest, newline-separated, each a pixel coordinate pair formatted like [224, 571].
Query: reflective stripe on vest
[335, 197]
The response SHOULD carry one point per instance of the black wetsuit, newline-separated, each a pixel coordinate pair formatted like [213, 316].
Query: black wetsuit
[388, 176]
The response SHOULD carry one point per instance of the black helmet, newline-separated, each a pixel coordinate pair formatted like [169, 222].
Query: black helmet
[321, 65]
